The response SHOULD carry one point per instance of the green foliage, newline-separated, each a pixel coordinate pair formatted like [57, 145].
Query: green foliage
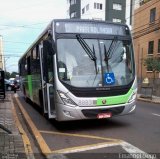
[152, 64]
[10, 75]
[7, 75]
[13, 74]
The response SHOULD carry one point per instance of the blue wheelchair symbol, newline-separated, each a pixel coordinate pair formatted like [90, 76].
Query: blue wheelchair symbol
[109, 79]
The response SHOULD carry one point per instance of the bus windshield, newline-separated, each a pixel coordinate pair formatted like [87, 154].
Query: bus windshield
[113, 65]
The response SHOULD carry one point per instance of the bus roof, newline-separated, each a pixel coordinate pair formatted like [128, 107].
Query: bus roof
[80, 26]
[69, 20]
[87, 20]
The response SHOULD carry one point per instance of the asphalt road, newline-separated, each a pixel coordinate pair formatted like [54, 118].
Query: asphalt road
[140, 131]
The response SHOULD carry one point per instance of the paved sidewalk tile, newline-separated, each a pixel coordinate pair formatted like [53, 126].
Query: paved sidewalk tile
[11, 145]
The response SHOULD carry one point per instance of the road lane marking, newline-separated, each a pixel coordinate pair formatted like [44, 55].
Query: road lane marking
[114, 142]
[79, 135]
[156, 114]
[135, 152]
[111, 142]
[41, 142]
[130, 149]
[86, 147]
[26, 141]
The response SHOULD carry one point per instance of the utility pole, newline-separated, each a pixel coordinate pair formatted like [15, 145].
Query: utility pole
[1, 53]
[5, 59]
[141, 64]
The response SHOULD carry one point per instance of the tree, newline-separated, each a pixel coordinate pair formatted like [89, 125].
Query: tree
[13, 74]
[7, 75]
[152, 64]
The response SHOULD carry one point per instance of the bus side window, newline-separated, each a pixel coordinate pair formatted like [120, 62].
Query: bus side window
[22, 70]
[29, 65]
[35, 61]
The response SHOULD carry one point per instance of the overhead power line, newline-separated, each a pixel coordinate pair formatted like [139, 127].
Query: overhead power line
[10, 55]
[26, 43]
[18, 26]
[142, 26]
[142, 10]
[28, 6]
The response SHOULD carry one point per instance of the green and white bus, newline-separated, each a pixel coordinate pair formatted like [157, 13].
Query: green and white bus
[81, 69]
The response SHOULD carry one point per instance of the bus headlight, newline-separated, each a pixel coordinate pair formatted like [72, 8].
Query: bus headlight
[66, 100]
[132, 97]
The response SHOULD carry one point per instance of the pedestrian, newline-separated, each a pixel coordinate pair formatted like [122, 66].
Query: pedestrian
[15, 86]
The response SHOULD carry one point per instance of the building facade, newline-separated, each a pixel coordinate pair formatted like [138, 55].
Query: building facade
[74, 9]
[92, 10]
[108, 10]
[146, 36]
[1, 54]
[115, 11]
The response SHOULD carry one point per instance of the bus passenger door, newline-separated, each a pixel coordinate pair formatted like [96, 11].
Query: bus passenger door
[46, 60]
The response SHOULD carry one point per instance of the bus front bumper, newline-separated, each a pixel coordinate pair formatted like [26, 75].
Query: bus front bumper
[67, 113]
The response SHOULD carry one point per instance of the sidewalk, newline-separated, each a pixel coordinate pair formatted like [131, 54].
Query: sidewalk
[11, 145]
[154, 99]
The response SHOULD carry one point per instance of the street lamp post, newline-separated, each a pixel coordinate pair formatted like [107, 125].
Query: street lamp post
[5, 60]
[1, 53]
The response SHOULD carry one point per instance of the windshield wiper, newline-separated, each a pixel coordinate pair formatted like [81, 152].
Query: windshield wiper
[108, 54]
[91, 54]
[106, 58]
[95, 61]
[112, 47]
[86, 48]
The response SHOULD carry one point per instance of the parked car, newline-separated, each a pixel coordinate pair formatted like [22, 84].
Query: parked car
[11, 84]
[14, 84]
[8, 86]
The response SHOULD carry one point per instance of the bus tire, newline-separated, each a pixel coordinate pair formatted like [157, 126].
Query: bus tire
[24, 93]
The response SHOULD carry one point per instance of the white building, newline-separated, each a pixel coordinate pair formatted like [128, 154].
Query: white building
[109, 10]
[93, 10]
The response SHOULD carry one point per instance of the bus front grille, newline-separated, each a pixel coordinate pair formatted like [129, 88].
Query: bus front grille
[92, 113]
[95, 93]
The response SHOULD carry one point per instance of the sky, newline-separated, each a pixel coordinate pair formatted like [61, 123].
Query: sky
[22, 21]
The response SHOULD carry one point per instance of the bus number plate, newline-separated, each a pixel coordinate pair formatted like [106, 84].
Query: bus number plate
[104, 115]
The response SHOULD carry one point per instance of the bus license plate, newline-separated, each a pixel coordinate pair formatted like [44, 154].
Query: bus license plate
[104, 115]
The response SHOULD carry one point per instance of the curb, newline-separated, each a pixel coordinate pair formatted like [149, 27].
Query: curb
[45, 150]
[149, 100]
[26, 141]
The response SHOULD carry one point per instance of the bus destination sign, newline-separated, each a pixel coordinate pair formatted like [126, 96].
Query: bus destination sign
[90, 28]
